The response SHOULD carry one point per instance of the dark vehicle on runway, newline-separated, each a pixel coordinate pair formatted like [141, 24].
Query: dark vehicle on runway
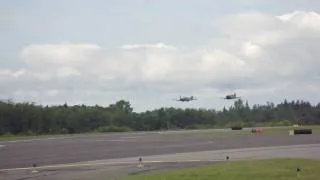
[186, 99]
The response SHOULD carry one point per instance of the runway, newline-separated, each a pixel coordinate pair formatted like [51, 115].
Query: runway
[21, 154]
[115, 168]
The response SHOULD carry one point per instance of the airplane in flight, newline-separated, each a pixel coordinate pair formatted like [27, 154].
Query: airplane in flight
[186, 99]
[231, 96]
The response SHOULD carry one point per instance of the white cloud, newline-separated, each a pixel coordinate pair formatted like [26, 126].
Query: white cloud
[261, 54]
[52, 92]
[300, 19]
[67, 71]
[251, 50]
[148, 46]
[12, 73]
[48, 56]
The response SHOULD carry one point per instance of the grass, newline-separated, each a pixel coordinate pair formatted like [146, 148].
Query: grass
[25, 137]
[275, 169]
[284, 130]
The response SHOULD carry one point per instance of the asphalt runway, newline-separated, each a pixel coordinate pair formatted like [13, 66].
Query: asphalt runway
[24, 153]
[117, 168]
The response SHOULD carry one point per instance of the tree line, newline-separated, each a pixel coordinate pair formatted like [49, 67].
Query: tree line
[29, 118]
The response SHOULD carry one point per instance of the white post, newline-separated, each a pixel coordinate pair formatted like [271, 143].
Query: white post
[140, 165]
[291, 132]
[34, 169]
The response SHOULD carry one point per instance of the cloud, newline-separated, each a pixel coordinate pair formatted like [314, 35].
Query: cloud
[303, 20]
[259, 52]
[63, 54]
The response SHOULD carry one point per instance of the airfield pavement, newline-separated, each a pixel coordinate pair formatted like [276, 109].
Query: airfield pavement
[159, 150]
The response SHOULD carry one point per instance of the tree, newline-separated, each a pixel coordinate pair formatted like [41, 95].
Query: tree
[29, 118]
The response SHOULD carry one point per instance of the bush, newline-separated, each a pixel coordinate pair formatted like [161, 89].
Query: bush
[249, 124]
[284, 123]
[113, 129]
[64, 131]
[28, 133]
[7, 134]
[235, 124]
[199, 126]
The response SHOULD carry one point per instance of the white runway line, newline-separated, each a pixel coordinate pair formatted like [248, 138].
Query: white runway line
[2, 146]
[102, 163]
[33, 140]
[52, 138]
[130, 137]
[190, 131]
[114, 140]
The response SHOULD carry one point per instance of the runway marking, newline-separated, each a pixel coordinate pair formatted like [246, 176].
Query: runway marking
[130, 137]
[118, 140]
[103, 163]
[38, 139]
[114, 140]
[2, 146]
[52, 138]
[256, 148]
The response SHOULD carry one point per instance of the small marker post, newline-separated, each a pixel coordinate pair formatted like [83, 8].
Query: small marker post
[291, 132]
[227, 160]
[298, 171]
[227, 163]
[140, 165]
[34, 170]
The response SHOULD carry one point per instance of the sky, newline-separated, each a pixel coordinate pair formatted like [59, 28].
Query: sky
[151, 52]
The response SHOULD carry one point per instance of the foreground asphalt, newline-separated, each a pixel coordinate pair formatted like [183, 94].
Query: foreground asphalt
[20, 154]
[117, 168]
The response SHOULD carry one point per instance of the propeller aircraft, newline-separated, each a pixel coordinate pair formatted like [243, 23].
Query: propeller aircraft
[231, 96]
[186, 99]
